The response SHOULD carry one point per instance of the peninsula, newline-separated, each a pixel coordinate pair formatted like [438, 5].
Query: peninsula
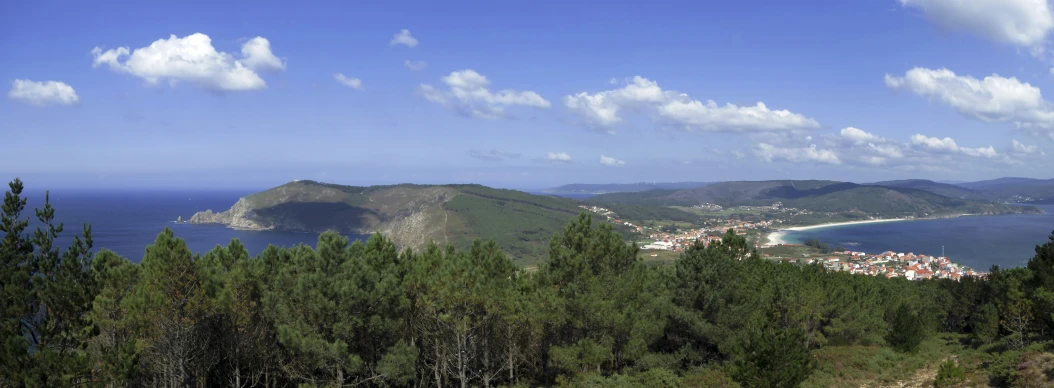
[411, 215]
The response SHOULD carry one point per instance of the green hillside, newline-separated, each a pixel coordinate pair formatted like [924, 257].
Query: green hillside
[412, 215]
[819, 196]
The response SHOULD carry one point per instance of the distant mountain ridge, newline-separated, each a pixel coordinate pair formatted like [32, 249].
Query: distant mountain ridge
[411, 215]
[604, 188]
[1011, 189]
[1015, 189]
[821, 196]
[945, 189]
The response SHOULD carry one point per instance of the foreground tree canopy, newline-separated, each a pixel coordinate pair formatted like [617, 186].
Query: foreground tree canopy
[363, 313]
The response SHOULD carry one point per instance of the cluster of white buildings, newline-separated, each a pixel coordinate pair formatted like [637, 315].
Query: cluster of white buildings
[892, 264]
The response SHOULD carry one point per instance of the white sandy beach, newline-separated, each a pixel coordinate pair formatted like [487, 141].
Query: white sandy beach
[776, 238]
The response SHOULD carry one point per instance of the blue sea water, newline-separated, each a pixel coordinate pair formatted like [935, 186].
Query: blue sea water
[975, 241]
[126, 222]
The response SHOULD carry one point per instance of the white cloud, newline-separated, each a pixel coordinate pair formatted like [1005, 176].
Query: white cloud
[984, 152]
[415, 65]
[859, 136]
[948, 145]
[602, 110]
[610, 162]
[494, 155]
[558, 157]
[1023, 23]
[768, 153]
[350, 82]
[468, 94]
[404, 38]
[42, 93]
[258, 55]
[193, 59]
[992, 99]
[1021, 148]
[887, 151]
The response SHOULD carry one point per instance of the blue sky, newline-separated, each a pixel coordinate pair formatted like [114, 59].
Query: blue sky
[523, 94]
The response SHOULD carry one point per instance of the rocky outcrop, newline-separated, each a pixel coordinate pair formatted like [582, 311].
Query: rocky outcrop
[239, 216]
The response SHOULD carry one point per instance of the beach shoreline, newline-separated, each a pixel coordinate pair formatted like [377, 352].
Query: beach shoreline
[776, 238]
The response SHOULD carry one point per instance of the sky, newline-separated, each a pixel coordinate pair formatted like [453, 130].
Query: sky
[526, 95]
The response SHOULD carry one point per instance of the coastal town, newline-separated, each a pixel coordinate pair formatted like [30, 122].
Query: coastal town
[771, 245]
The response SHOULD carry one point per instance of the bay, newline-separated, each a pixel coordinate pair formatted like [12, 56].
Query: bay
[126, 222]
[975, 241]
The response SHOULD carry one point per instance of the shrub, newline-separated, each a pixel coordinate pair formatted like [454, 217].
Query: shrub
[949, 375]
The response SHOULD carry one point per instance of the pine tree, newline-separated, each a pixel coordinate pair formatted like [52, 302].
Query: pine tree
[16, 252]
[168, 306]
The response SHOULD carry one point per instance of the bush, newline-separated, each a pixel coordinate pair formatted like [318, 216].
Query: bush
[949, 375]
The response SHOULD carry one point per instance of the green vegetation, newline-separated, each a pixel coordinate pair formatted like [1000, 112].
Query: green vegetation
[818, 196]
[642, 213]
[593, 313]
[823, 248]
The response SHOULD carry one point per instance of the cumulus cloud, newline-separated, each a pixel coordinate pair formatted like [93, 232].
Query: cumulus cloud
[857, 146]
[42, 93]
[1023, 23]
[558, 157]
[258, 56]
[415, 65]
[193, 59]
[494, 155]
[610, 162]
[859, 136]
[992, 99]
[603, 110]
[948, 145]
[886, 151]
[1021, 148]
[404, 38]
[350, 82]
[768, 153]
[468, 94]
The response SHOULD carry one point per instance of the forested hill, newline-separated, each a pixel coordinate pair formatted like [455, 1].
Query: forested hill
[817, 195]
[411, 215]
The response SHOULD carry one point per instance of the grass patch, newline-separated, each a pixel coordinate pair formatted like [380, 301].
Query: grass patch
[663, 257]
[872, 366]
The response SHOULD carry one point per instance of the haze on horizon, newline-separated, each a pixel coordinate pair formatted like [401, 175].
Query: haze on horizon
[245, 95]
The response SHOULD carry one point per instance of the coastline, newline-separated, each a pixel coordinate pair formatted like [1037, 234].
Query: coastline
[776, 238]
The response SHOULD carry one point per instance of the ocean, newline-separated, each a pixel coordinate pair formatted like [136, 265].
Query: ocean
[975, 241]
[126, 222]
